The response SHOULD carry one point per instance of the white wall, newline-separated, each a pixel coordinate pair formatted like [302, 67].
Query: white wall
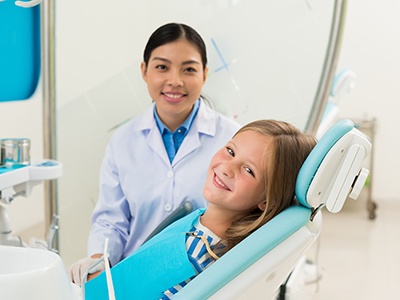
[371, 48]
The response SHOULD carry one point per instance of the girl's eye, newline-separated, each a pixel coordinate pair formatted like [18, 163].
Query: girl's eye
[230, 151]
[248, 170]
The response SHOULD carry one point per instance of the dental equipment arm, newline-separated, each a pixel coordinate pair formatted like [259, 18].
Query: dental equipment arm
[343, 83]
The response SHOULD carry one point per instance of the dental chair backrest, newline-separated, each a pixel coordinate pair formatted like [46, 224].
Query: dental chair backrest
[256, 267]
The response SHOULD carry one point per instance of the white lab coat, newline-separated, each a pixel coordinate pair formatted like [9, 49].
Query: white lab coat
[139, 187]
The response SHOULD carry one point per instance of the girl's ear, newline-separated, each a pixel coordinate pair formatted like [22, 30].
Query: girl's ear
[262, 205]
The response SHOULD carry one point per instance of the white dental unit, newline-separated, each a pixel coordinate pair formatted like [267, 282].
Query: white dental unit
[27, 273]
[17, 178]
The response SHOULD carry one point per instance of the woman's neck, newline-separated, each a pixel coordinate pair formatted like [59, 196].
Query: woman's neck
[173, 119]
[173, 123]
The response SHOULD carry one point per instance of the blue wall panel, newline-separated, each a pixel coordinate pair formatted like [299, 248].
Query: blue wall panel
[19, 51]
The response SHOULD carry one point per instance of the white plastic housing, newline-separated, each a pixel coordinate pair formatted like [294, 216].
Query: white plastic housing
[344, 163]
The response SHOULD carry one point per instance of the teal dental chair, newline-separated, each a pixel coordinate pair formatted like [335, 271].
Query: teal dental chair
[258, 266]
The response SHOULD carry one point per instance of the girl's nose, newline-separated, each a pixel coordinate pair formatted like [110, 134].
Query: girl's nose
[228, 170]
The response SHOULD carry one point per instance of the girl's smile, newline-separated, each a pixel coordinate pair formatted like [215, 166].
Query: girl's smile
[219, 183]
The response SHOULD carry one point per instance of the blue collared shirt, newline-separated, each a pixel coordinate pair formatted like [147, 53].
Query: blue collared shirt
[173, 140]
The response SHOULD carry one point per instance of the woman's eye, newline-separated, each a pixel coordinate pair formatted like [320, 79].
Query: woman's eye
[230, 151]
[161, 67]
[191, 70]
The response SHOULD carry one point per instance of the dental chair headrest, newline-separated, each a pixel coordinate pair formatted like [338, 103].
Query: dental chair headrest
[338, 154]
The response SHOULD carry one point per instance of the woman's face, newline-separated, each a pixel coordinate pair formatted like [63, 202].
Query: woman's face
[175, 77]
[237, 174]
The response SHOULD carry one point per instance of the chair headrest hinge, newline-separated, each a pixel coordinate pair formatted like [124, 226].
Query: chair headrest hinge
[316, 210]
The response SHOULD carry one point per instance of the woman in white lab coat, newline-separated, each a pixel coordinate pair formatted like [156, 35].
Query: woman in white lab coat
[159, 159]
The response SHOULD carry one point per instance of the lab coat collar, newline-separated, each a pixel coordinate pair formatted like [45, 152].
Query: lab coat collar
[204, 123]
[205, 120]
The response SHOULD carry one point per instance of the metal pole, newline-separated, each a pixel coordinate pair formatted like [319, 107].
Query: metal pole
[49, 112]
[329, 68]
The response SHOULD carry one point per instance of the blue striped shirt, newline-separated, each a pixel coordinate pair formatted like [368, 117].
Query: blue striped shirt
[197, 254]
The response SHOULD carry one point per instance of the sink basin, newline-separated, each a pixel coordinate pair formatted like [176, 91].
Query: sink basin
[28, 273]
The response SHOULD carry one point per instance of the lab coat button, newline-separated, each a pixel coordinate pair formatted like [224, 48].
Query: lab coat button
[167, 207]
[170, 174]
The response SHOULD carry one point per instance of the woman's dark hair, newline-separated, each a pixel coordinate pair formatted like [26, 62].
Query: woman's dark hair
[172, 32]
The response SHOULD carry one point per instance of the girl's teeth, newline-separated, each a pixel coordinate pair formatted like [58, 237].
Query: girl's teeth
[220, 182]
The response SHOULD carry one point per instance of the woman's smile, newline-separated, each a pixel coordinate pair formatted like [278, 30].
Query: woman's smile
[173, 96]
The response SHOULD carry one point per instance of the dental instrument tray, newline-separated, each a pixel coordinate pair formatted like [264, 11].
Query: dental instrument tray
[19, 178]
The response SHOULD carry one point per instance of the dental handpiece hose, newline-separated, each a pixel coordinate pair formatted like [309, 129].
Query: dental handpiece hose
[110, 285]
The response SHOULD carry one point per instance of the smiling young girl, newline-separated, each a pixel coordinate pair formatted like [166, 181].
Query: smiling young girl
[249, 181]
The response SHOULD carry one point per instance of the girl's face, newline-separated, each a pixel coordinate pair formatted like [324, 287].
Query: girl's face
[237, 174]
[175, 77]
